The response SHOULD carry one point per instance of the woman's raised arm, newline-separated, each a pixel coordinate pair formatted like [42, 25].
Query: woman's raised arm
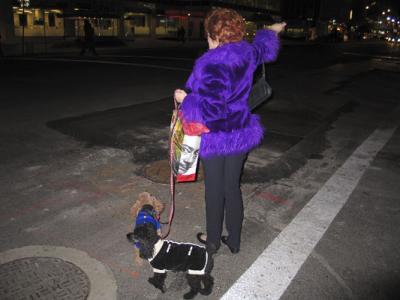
[266, 43]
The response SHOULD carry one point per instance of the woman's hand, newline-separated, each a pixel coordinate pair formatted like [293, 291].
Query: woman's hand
[179, 95]
[277, 27]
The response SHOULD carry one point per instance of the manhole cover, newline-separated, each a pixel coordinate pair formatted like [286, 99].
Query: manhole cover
[42, 278]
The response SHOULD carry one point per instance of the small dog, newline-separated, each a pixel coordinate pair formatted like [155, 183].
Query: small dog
[158, 207]
[166, 255]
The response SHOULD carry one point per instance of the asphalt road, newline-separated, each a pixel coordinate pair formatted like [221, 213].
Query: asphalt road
[77, 133]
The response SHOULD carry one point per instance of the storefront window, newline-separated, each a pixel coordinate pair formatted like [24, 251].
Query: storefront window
[161, 21]
[38, 17]
[172, 22]
[37, 22]
[136, 24]
[164, 21]
[105, 24]
[167, 25]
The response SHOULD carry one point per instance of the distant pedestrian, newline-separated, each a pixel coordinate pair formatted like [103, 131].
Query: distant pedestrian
[190, 32]
[89, 39]
[218, 90]
[181, 34]
[1, 48]
[133, 33]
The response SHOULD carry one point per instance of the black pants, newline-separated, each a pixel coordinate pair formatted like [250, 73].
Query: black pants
[223, 195]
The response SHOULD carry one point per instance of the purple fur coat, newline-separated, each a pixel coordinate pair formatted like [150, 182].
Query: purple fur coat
[218, 90]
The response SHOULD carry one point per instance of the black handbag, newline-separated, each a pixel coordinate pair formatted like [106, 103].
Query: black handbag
[260, 92]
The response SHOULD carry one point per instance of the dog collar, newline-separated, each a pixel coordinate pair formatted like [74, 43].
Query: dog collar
[146, 217]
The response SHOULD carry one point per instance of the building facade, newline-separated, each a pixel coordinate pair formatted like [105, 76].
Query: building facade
[35, 21]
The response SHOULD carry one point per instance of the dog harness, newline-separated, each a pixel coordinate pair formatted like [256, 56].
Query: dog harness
[144, 217]
[173, 256]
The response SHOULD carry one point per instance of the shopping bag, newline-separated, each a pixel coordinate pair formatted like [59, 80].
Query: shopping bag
[185, 141]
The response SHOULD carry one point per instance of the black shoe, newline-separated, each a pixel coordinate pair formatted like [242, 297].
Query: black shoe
[211, 248]
[200, 239]
[233, 250]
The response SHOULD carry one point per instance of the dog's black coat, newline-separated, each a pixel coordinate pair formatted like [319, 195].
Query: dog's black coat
[174, 257]
[180, 257]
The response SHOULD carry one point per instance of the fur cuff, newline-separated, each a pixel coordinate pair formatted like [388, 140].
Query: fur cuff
[191, 110]
[268, 42]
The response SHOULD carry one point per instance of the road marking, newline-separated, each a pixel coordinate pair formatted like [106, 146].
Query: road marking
[372, 56]
[152, 57]
[106, 62]
[272, 272]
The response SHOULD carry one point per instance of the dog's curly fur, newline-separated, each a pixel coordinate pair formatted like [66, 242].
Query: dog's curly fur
[143, 199]
[146, 198]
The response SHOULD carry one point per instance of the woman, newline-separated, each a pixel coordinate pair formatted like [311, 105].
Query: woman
[218, 90]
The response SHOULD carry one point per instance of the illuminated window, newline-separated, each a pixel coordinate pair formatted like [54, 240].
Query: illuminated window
[160, 21]
[38, 17]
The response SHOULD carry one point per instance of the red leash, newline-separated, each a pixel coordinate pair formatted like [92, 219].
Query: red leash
[172, 177]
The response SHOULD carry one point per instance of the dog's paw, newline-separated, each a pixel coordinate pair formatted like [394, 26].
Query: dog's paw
[208, 283]
[205, 292]
[190, 295]
[156, 283]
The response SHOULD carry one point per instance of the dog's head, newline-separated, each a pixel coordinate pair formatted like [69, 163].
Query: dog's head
[145, 233]
[144, 237]
[146, 199]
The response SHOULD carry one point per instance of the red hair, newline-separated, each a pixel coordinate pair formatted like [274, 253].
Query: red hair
[224, 25]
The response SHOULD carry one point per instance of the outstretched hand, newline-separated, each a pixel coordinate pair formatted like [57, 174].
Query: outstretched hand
[277, 27]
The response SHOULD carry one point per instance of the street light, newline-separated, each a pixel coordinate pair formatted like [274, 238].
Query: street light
[24, 4]
[383, 13]
[367, 7]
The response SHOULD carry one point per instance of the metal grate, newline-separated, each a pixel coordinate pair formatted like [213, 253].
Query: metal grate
[42, 278]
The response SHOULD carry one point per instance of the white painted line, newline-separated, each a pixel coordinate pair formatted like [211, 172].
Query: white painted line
[270, 275]
[372, 56]
[106, 62]
[152, 57]
[103, 285]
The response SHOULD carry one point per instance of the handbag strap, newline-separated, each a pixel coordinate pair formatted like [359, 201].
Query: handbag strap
[263, 70]
[172, 177]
